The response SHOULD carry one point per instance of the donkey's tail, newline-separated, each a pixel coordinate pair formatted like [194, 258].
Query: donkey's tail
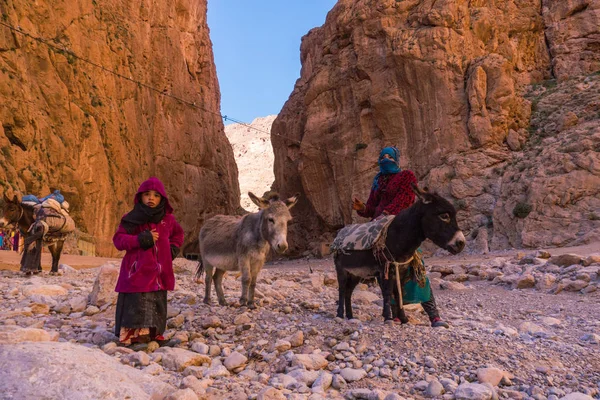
[199, 270]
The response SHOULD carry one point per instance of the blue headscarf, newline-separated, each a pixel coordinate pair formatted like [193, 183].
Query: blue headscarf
[387, 166]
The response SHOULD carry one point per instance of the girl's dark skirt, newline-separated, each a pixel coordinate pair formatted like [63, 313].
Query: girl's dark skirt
[142, 310]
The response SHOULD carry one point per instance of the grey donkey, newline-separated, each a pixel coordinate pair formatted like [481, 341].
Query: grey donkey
[241, 243]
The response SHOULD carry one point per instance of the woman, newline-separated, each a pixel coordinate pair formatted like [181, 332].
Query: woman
[391, 193]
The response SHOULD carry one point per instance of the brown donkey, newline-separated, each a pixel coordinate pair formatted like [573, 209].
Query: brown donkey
[20, 215]
[234, 243]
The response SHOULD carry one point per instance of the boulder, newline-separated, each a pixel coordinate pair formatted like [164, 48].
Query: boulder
[473, 391]
[177, 359]
[69, 371]
[310, 361]
[45, 290]
[16, 334]
[353, 374]
[565, 260]
[526, 281]
[103, 291]
[493, 376]
[235, 361]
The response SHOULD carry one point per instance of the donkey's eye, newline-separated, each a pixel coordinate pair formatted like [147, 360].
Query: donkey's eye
[445, 217]
[271, 220]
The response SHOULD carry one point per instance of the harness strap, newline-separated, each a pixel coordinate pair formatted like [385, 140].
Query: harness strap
[389, 259]
[398, 285]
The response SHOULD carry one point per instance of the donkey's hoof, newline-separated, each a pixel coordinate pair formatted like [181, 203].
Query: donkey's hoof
[243, 302]
[222, 303]
[389, 322]
[206, 301]
[252, 306]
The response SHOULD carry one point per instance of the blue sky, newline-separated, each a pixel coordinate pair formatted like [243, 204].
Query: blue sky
[257, 51]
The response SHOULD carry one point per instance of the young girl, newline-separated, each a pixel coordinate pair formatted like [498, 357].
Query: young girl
[151, 237]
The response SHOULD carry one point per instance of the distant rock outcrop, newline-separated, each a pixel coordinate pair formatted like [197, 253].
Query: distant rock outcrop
[253, 154]
[453, 85]
[69, 125]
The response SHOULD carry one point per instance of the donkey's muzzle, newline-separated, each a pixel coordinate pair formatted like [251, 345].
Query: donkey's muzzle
[457, 243]
[281, 248]
[2, 222]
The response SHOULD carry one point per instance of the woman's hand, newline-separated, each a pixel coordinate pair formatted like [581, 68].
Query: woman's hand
[358, 205]
[154, 234]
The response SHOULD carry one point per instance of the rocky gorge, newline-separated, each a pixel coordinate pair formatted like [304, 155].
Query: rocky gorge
[96, 133]
[492, 104]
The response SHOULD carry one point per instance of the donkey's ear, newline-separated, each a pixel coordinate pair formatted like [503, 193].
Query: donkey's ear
[6, 198]
[422, 194]
[291, 202]
[259, 201]
[17, 198]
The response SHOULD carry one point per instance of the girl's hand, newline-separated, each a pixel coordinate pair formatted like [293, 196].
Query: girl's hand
[154, 234]
[358, 205]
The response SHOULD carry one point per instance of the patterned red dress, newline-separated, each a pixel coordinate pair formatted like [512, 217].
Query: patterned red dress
[393, 194]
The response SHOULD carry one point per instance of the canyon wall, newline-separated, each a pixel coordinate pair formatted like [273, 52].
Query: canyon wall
[453, 84]
[69, 125]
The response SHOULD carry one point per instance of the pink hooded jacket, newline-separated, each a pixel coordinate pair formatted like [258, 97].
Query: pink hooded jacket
[152, 269]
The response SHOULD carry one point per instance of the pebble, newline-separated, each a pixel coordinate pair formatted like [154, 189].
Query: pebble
[235, 361]
[434, 389]
[91, 310]
[201, 348]
[473, 391]
[493, 376]
[282, 345]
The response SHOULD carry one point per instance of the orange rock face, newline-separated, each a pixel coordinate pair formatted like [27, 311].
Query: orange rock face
[72, 126]
[446, 82]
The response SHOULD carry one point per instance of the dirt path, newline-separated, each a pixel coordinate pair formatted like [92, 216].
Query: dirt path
[9, 260]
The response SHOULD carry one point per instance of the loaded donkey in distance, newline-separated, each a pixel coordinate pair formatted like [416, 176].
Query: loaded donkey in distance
[241, 243]
[386, 249]
[41, 221]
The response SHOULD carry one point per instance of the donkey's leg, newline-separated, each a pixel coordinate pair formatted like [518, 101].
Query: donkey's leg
[208, 271]
[342, 276]
[218, 279]
[256, 267]
[244, 265]
[56, 249]
[351, 283]
[253, 276]
[386, 292]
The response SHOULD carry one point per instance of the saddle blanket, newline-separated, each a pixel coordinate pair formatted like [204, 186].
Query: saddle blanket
[361, 236]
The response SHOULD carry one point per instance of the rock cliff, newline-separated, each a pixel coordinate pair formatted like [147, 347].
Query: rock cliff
[69, 125]
[451, 83]
[254, 157]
